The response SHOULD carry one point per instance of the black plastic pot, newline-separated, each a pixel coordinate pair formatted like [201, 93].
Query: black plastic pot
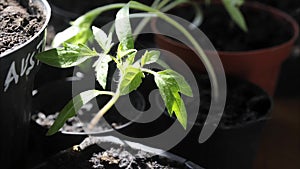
[234, 143]
[17, 70]
[51, 98]
[70, 159]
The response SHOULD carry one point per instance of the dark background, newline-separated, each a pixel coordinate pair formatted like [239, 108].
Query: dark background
[280, 142]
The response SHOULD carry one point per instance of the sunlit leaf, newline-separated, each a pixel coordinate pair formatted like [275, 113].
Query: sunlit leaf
[67, 56]
[101, 68]
[123, 29]
[170, 83]
[150, 57]
[131, 80]
[103, 40]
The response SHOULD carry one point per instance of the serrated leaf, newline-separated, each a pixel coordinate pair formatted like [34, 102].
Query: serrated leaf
[180, 81]
[180, 110]
[130, 80]
[165, 92]
[101, 68]
[72, 108]
[150, 57]
[103, 40]
[233, 9]
[123, 29]
[67, 56]
[170, 83]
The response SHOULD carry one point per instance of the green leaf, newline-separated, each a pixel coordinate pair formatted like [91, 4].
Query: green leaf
[79, 32]
[162, 64]
[67, 56]
[180, 81]
[101, 68]
[72, 108]
[170, 83]
[238, 2]
[130, 80]
[81, 37]
[232, 6]
[74, 35]
[122, 53]
[65, 35]
[123, 29]
[150, 57]
[180, 110]
[103, 40]
[130, 58]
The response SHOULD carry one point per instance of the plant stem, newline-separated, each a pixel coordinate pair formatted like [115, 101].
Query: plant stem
[149, 71]
[106, 93]
[100, 114]
[198, 48]
[138, 6]
[91, 15]
[163, 3]
[155, 3]
[171, 5]
[144, 22]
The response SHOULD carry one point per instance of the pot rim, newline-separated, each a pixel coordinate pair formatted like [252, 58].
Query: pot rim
[267, 115]
[96, 133]
[47, 13]
[113, 141]
[258, 6]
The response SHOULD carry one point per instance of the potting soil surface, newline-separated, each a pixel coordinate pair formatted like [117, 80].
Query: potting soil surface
[18, 24]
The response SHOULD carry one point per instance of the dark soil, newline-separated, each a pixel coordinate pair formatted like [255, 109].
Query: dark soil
[115, 158]
[120, 158]
[18, 24]
[263, 29]
[245, 102]
[47, 102]
[72, 125]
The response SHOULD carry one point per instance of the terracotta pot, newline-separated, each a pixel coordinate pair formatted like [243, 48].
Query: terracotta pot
[259, 66]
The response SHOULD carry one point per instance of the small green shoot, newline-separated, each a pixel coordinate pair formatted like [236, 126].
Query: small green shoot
[132, 71]
[73, 52]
